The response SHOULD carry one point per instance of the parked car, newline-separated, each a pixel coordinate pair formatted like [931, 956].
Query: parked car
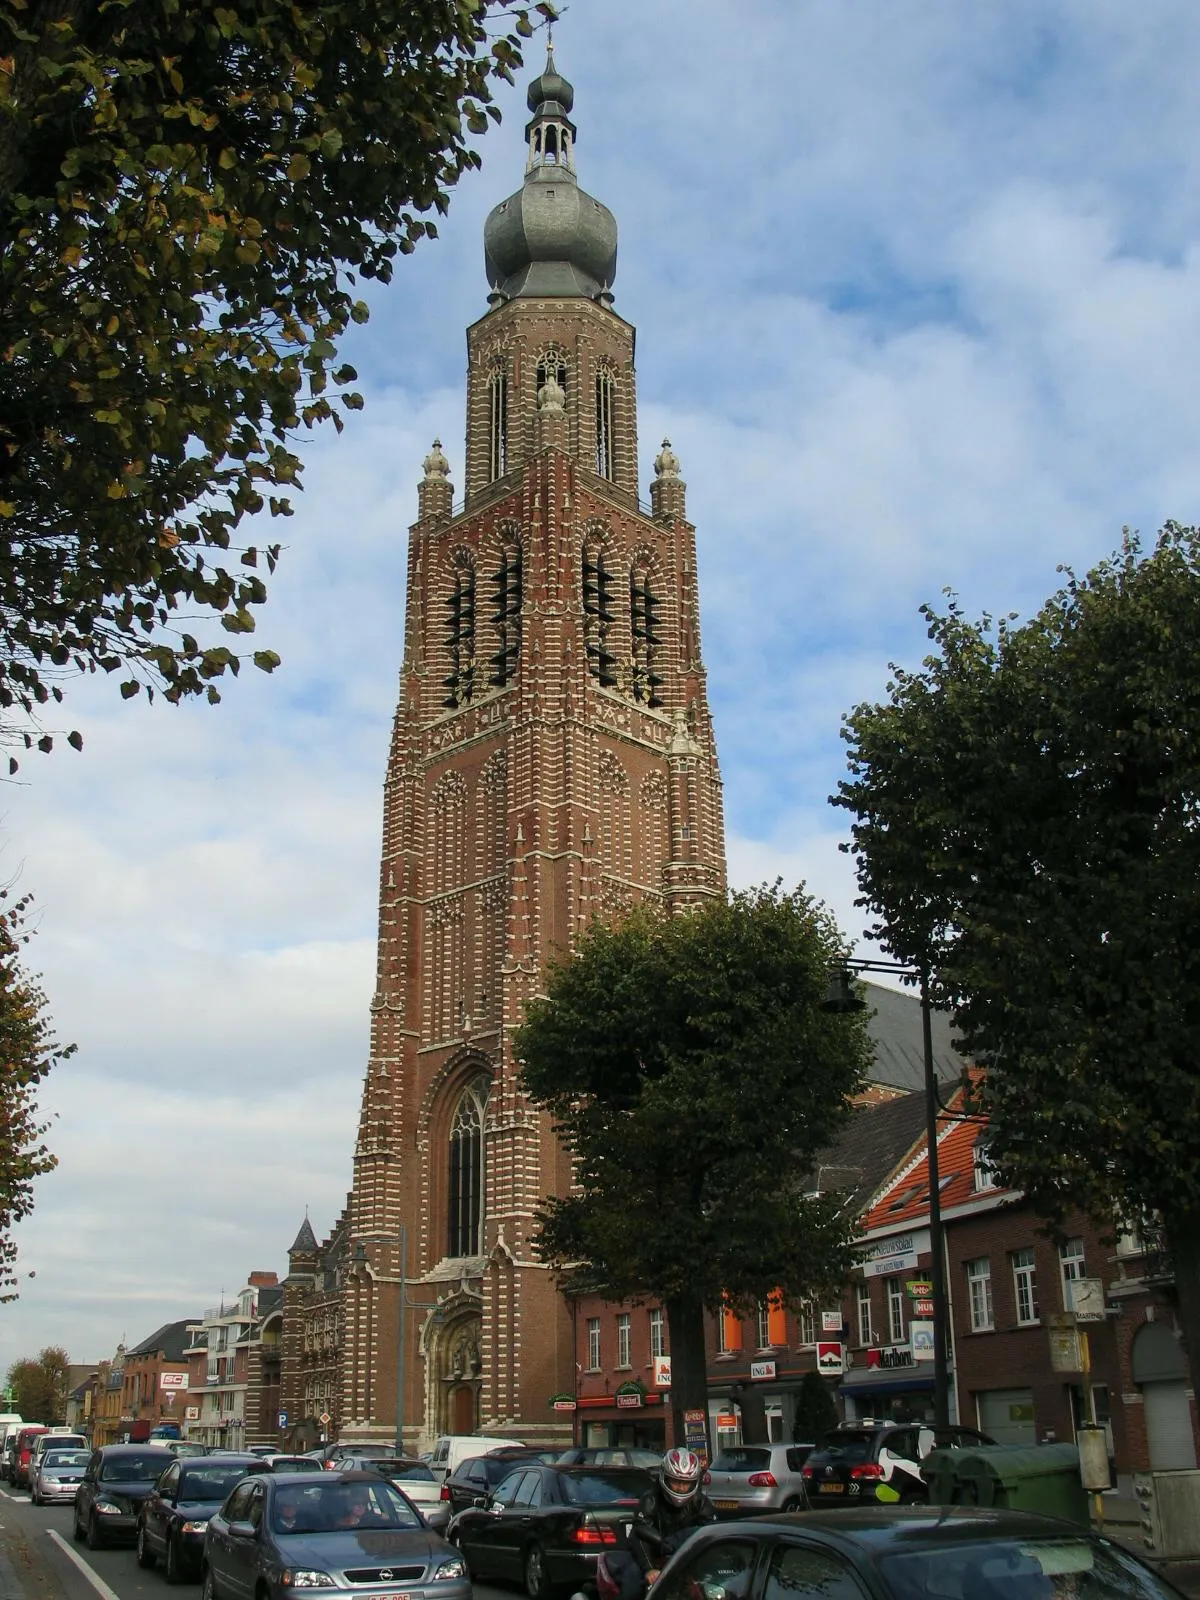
[116, 1481]
[851, 1465]
[416, 1482]
[476, 1477]
[278, 1462]
[546, 1526]
[905, 1553]
[58, 1475]
[749, 1478]
[610, 1455]
[184, 1447]
[174, 1515]
[22, 1453]
[276, 1533]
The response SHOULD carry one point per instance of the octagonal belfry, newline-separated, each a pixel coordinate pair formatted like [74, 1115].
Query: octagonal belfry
[552, 761]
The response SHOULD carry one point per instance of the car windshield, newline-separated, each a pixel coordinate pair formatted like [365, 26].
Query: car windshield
[599, 1488]
[742, 1459]
[324, 1507]
[209, 1482]
[66, 1458]
[1021, 1569]
[131, 1469]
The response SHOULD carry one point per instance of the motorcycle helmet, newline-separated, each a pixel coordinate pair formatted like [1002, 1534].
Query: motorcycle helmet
[682, 1471]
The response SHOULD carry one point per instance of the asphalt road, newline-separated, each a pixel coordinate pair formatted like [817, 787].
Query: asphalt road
[39, 1560]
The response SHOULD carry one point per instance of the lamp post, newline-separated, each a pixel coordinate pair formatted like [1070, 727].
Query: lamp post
[405, 1305]
[841, 997]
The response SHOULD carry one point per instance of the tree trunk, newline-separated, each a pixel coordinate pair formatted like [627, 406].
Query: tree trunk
[1182, 1229]
[689, 1367]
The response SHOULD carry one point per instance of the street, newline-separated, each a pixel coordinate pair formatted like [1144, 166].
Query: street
[39, 1560]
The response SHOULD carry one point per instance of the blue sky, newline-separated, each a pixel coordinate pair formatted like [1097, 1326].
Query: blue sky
[916, 289]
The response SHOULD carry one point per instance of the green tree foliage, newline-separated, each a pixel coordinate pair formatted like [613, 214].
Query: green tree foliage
[816, 1409]
[694, 1077]
[1028, 821]
[39, 1385]
[28, 1050]
[189, 195]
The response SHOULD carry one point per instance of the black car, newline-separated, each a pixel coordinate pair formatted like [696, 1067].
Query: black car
[478, 1476]
[175, 1513]
[857, 1466]
[117, 1479]
[546, 1526]
[905, 1553]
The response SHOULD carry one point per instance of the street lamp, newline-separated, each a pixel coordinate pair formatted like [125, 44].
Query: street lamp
[841, 997]
[404, 1306]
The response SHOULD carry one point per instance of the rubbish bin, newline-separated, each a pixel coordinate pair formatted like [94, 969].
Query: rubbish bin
[1043, 1478]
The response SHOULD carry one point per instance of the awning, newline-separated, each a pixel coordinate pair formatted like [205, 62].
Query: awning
[878, 1379]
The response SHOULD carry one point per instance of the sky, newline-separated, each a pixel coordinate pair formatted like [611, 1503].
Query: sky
[916, 286]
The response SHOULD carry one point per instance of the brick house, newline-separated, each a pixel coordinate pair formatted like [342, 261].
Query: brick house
[154, 1379]
[219, 1365]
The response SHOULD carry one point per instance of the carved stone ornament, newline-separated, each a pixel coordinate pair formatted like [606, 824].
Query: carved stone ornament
[437, 468]
[666, 463]
[551, 400]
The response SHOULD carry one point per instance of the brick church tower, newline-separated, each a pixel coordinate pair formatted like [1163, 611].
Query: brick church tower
[552, 761]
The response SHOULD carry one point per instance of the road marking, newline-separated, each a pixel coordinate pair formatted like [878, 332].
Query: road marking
[93, 1578]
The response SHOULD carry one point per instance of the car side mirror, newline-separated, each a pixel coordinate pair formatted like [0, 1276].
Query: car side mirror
[241, 1530]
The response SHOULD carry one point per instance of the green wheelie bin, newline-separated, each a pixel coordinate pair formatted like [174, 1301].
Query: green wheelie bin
[1043, 1478]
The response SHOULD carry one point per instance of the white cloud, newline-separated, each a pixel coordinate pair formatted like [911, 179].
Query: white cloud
[917, 293]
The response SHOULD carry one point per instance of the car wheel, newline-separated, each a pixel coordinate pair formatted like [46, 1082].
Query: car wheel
[145, 1556]
[173, 1571]
[537, 1581]
[36, 1498]
[208, 1590]
[95, 1539]
[76, 1529]
[793, 1503]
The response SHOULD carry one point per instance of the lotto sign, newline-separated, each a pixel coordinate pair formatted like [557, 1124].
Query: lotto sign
[831, 1359]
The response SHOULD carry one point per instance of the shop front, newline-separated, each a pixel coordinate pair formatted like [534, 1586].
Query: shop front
[637, 1419]
[887, 1385]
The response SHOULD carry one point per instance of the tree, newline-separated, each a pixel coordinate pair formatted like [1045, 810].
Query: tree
[816, 1409]
[1028, 809]
[188, 198]
[693, 1077]
[28, 1050]
[40, 1386]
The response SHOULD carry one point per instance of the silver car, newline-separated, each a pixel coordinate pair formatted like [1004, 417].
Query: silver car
[749, 1478]
[277, 1534]
[416, 1482]
[58, 1476]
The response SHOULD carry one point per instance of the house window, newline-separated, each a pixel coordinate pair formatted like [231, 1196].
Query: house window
[1025, 1285]
[764, 1325]
[658, 1335]
[605, 454]
[807, 1322]
[1071, 1264]
[465, 1210]
[497, 423]
[722, 1344]
[593, 1344]
[623, 1340]
[865, 1335]
[979, 1290]
[895, 1292]
[985, 1173]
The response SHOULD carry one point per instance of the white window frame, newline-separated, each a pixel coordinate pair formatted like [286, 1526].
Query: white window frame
[764, 1325]
[979, 1294]
[658, 1333]
[895, 1292]
[983, 1172]
[593, 1342]
[1072, 1266]
[866, 1335]
[624, 1340]
[806, 1323]
[1024, 1269]
[722, 1347]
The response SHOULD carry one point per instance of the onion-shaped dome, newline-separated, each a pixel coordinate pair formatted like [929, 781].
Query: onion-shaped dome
[550, 86]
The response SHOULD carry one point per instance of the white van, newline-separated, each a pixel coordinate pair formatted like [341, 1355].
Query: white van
[452, 1448]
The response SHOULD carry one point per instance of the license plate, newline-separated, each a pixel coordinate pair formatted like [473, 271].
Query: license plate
[727, 1505]
[832, 1488]
[393, 1597]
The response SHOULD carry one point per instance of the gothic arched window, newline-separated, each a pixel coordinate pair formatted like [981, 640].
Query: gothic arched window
[460, 634]
[506, 615]
[497, 422]
[645, 637]
[606, 460]
[465, 1210]
[598, 615]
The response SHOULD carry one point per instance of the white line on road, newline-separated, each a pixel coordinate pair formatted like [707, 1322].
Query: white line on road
[93, 1578]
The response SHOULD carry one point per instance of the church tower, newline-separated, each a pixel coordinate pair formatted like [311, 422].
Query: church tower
[552, 761]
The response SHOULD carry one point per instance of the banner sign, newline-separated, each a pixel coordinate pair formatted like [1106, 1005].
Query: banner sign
[762, 1369]
[920, 1338]
[831, 1359]
[662, 1372]
[172, 1380]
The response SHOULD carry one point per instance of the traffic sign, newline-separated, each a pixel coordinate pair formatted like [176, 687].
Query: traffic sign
[283, 1419]
[324, 1419]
